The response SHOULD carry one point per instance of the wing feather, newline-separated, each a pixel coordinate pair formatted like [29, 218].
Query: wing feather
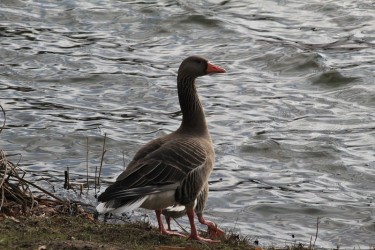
[159, 170]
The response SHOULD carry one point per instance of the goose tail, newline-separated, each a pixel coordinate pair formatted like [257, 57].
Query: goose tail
[110, 206]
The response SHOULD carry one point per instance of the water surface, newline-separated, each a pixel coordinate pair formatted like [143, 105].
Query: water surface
[292, 121]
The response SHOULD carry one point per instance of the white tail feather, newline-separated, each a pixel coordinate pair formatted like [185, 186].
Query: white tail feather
[176, 208]
[102, 209]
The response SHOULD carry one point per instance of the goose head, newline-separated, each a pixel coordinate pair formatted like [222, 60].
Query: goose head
[195, 66]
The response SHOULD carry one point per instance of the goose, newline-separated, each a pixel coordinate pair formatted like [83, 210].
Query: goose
[213, 230]
[171, 170]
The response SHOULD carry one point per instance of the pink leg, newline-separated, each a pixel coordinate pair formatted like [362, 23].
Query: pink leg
[161, 226]
[194, 233]
[213, 230]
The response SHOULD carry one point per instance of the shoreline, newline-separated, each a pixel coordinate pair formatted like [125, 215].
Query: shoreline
[83, 232]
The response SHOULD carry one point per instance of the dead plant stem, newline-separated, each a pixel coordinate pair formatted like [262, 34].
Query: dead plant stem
[5, 118]
[102, 159]
[317, 230]
[87, 163]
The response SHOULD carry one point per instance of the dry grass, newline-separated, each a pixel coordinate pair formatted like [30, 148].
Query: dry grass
[19, 196]
[18, 199]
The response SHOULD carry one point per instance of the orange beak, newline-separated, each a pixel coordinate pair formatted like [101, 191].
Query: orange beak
[211, 68]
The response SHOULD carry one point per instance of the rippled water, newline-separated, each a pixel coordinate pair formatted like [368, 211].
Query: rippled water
[292, 121]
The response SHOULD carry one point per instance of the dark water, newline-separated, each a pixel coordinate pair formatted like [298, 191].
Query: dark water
[292, 121]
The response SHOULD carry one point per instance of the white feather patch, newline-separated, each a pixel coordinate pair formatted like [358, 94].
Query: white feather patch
[102, 209]
[177, 208]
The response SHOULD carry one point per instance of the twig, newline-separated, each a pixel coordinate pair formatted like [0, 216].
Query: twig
[6, 168]
[101, 161]
[123, 159]
[16, 197]
[95, 180]
[180, 226]
[52, 186]
[5, 118]
[2, 198]
[66, 182]
[87, 163]
[317, 229]
[41, 189]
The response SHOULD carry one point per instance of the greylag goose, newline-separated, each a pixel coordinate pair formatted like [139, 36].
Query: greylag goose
[213, 230]
[171, 170]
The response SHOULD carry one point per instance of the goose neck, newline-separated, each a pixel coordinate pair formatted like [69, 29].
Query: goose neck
[193, 118]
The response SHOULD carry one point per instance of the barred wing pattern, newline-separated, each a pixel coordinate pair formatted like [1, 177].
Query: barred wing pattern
[172, 165]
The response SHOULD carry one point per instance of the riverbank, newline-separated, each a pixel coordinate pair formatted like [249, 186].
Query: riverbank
[81, 232]
[68, 232]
